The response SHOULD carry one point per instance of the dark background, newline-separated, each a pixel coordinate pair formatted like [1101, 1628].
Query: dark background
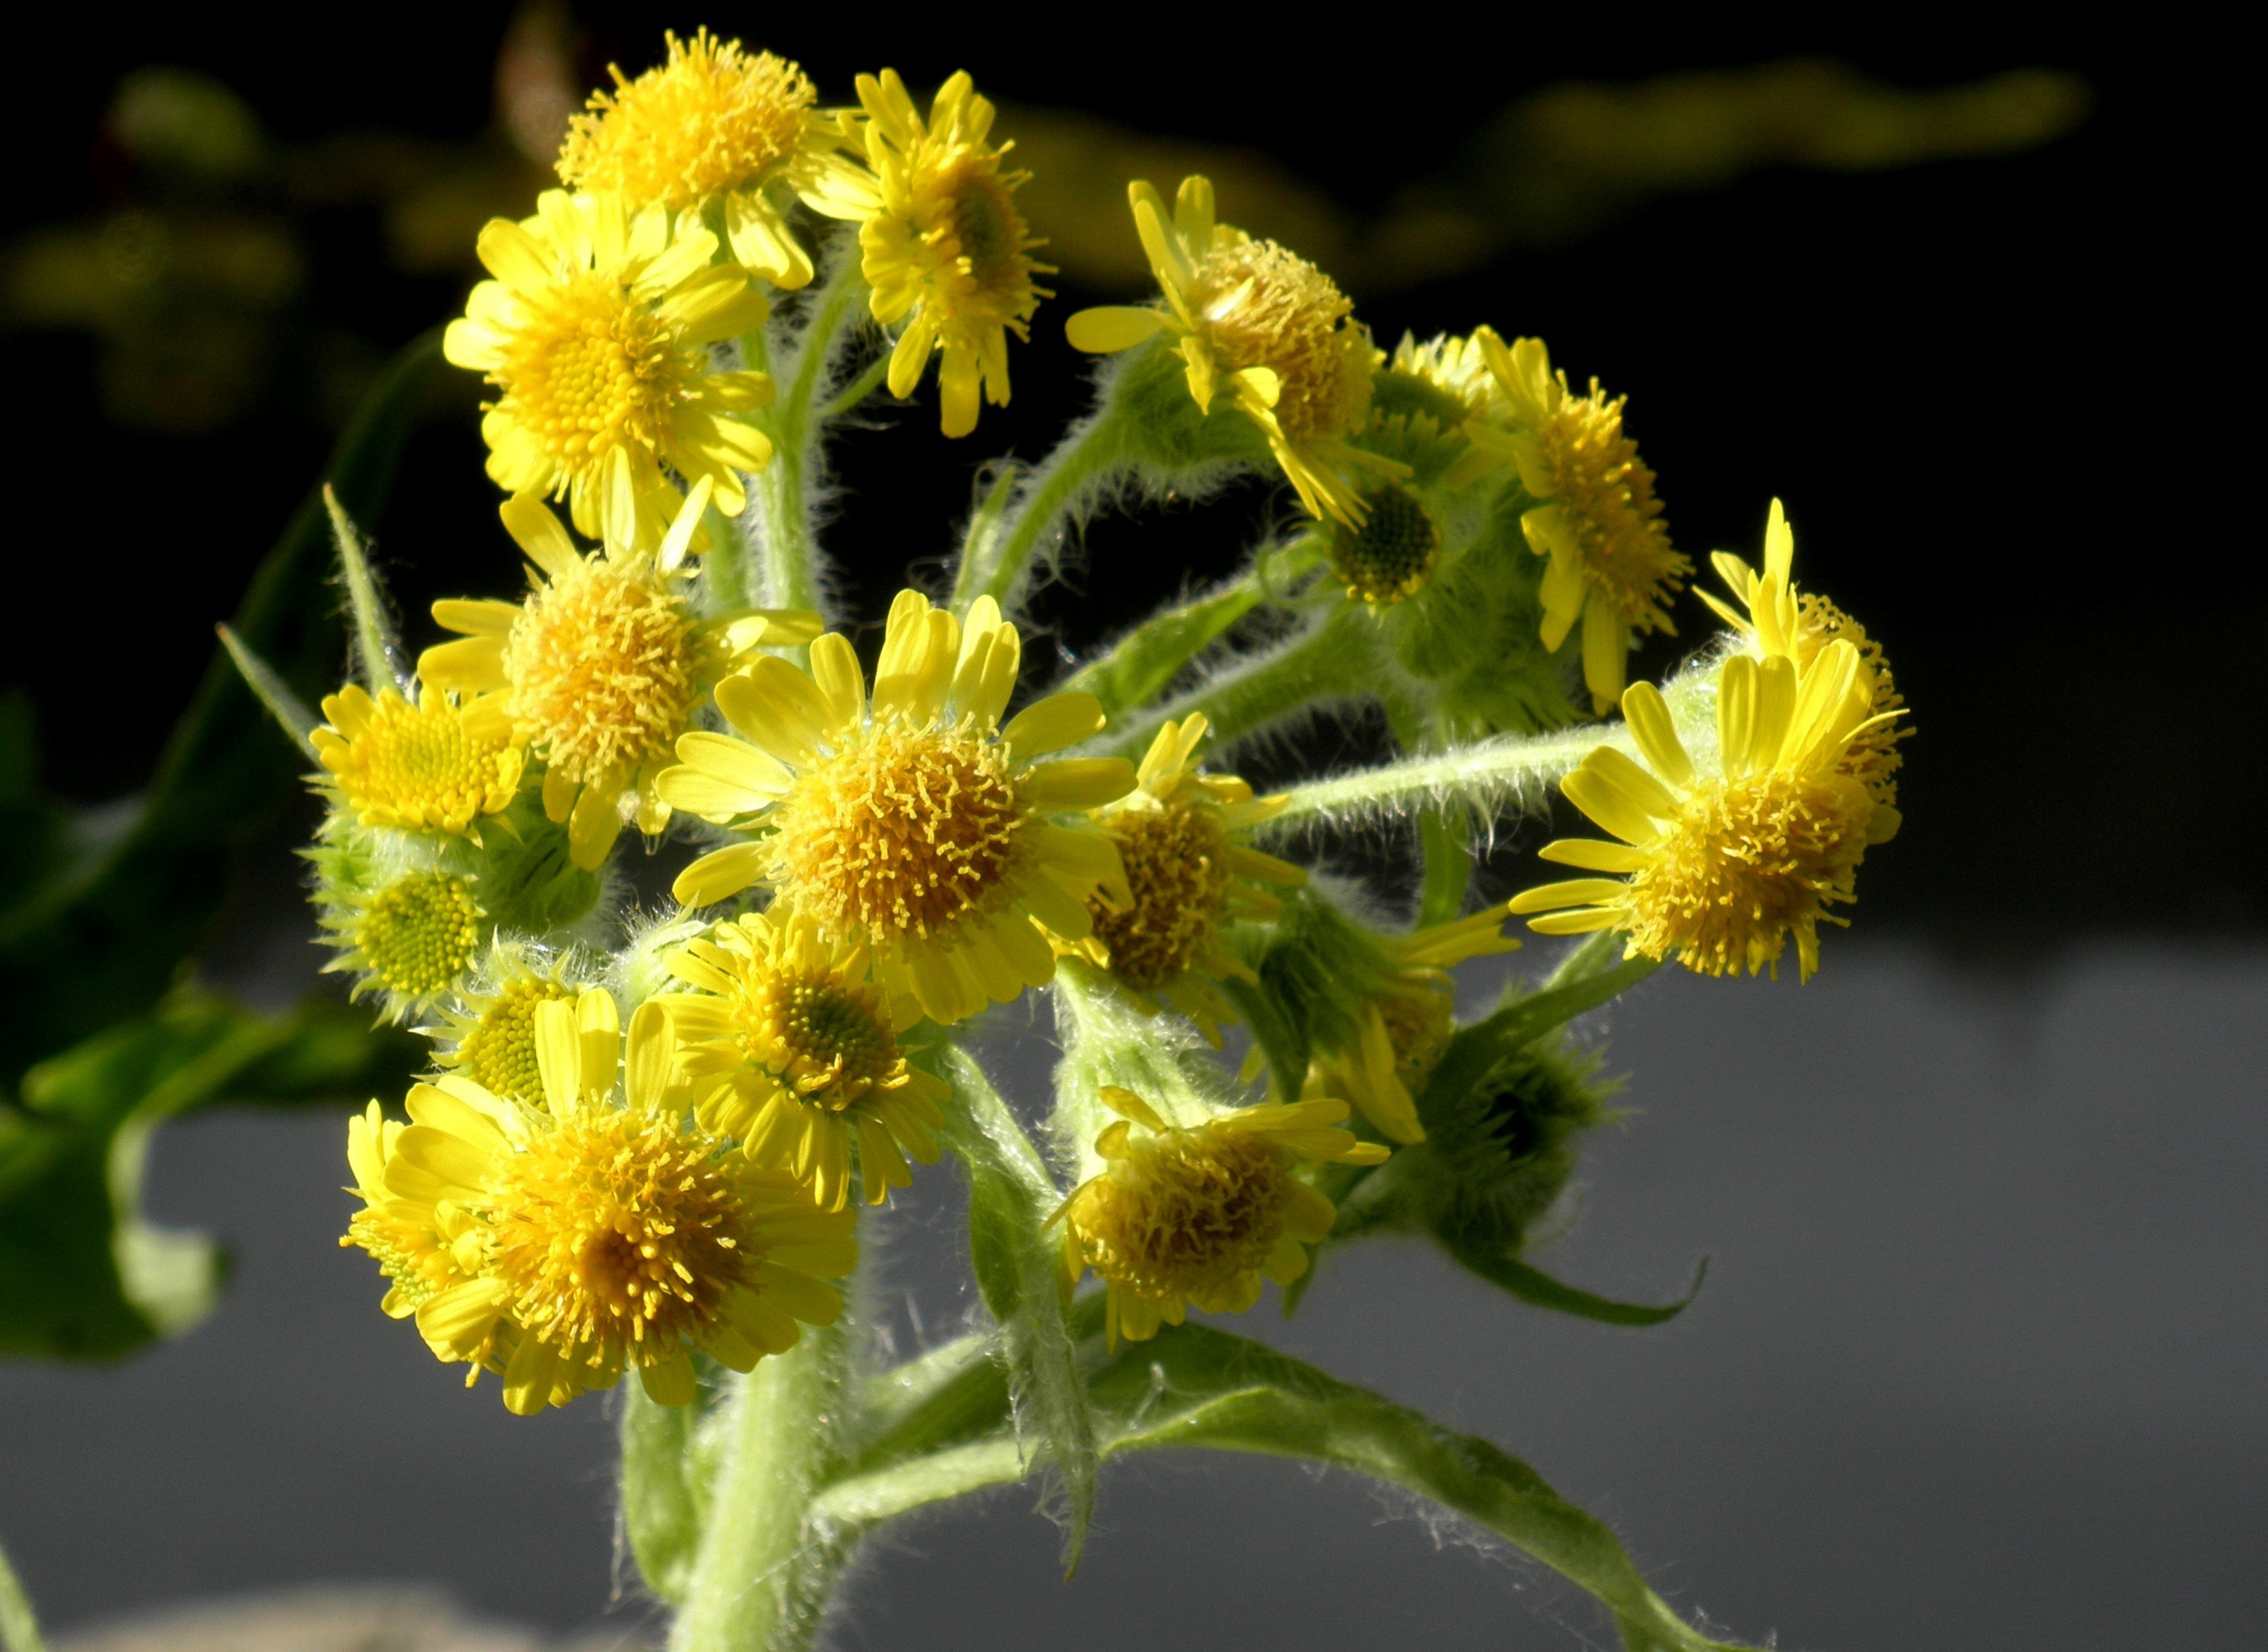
[1987, 1266]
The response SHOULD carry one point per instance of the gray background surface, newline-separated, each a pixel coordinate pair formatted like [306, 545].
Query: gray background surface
[1978, 1365]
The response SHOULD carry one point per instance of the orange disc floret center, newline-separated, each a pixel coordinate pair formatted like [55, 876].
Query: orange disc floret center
[602, 664]
[713, 118]
[1266, 307]
[903, 833]
[591, 369]
[1183, 1213]
[1749, 860]
[1177, 863]
[616, 1232]
[1608, 494]
[839, 1044]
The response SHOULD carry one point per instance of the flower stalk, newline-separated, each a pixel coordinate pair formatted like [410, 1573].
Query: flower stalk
[789, 570]
[764, 1570]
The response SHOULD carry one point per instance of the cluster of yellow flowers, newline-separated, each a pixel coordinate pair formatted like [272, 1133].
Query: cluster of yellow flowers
[895, 852]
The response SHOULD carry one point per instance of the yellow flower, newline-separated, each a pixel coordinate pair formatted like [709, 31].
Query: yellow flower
[1719, 869]
[493, 1032]
[1261, 323]
[1611, 562]
[600, 1237]
[713, 130]
[416, 1244]
[917, 829]
[431, 766]
[1383, 1061]
[1188, 877]
[596, 332]
[1390, 554]
[1779, 621]
[600, 669]
[412, 938]
[793, 1049]
[1444, 381]
[1197, 1216]
[944, 249]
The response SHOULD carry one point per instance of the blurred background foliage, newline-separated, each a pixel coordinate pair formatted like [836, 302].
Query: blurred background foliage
[1881, 282]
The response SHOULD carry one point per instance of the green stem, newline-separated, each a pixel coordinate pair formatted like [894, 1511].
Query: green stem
[761, 1580]
[19, 1630]
[1446, 836]
[858, 389]
[995, 560]
[788, 571]
[1319, 663]
[1490, 777]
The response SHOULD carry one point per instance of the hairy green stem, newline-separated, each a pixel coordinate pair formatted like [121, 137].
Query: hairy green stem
[995, 559]
[788, 574]
[858, 389]
[761, 1579]
[1262, 688]
[19, 1630]
[1490, 777]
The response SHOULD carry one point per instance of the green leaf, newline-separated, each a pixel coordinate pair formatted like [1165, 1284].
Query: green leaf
[661, 1491]
[1445, 837]
[100, 906]
[19, 1630]
[82, 1276]
[1539, 1289]
[1141, 664]
[1016, 1259]
[377, 651]
[1476, 1048]
[1193, 1387]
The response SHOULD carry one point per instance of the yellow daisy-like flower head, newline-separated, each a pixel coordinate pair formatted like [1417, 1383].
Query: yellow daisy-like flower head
[946, 254]
[1719, 869]
[915, 826]
[600, 669]
[1187, 876]
[1259, 323]
[714, 128]
[431, 766]
[410, 940]
[1612, 565]
[1442, 383]
[1199, 1216]
[600, 1236]
[793, 1049]
[421, 1247]
[1381, 1060]
[595, 333]
[491, 1028]
[1386, 556]
[1778, 621]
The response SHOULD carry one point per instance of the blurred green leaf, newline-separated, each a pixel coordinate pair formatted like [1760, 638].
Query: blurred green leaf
[99, 907]
[82, 1275]
[1562, 163]
[1196, 1387]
